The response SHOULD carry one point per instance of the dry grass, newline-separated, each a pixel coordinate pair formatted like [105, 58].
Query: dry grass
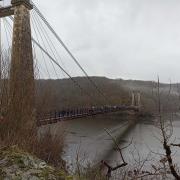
[50, 148]
[46, 146]
[24, 133]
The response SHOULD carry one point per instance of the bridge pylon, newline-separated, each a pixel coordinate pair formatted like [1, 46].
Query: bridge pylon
[136, 99]
[21, 105]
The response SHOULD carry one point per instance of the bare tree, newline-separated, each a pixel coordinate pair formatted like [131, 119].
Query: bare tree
[166, 135]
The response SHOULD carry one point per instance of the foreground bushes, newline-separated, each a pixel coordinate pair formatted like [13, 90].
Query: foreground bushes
[45, 146]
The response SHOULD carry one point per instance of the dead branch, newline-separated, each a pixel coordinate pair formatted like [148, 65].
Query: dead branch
[116, 144]
[110, 168]
[165, 138]
[169, 158]
[176, 145]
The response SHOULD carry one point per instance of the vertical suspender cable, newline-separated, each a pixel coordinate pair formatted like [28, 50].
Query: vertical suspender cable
[69, 52]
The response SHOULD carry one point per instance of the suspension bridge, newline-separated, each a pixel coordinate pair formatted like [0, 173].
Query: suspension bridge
[28, 37]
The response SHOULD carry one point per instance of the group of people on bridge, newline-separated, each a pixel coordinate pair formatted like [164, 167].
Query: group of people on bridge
[84, 111]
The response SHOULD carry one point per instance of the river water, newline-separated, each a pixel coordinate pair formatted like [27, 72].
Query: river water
[87, 141]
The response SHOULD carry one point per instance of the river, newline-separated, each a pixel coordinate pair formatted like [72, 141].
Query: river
[87, 141]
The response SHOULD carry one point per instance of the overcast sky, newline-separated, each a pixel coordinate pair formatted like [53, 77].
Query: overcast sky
[131, 39]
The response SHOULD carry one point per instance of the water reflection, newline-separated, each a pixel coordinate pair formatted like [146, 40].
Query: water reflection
[88, 140]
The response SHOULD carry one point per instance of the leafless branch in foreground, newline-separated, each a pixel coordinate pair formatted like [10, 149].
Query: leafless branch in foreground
[166, 138]
[110, 168]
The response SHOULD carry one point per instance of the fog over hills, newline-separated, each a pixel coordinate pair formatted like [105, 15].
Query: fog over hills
[65, 94]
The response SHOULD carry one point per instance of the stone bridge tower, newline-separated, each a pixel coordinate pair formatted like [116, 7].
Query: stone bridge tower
[136, 99]
[21, 82]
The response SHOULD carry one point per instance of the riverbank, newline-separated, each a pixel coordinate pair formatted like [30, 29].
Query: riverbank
[91, 138]
[17, 164]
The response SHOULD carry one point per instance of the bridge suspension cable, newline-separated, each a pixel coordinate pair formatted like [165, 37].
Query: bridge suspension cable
[47, 38]
[50, 57]
[42, 32]
[69, 52]
[57, 64]
[37, 31]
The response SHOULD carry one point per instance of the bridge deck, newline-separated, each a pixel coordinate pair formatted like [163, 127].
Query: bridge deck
[65, 115]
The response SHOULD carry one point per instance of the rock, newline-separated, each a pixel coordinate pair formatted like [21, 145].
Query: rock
[18, 165]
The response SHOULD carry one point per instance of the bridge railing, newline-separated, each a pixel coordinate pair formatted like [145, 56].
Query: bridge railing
[55, 116]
